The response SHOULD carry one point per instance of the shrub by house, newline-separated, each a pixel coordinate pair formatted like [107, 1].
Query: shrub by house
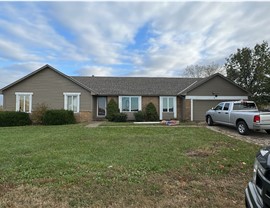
[58, 117]
[8, 118]
[151, 113]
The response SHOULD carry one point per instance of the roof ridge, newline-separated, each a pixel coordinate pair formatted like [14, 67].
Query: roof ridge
[138, 77]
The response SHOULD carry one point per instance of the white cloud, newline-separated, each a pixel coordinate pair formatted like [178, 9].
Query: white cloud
[95, 71]
[104, 29]
[14, 72]
[14, 51]
[98, 34]
[201, 33]
[31, 30]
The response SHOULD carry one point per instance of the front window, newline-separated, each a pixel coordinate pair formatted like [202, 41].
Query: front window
[130, 103]
[125, 103]
[72, 102]
[168, 104]
[134, 104]
[24, 101]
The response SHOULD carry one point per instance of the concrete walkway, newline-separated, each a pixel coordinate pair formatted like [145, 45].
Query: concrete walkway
[94, 124]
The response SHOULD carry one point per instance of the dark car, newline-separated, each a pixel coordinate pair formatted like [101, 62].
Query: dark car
[257, 193]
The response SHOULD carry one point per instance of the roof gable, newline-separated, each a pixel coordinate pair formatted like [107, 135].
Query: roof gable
[47, 66]
[208, 79]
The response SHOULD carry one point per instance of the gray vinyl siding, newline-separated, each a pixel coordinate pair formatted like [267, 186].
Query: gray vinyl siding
[47, 87]
[220, 86]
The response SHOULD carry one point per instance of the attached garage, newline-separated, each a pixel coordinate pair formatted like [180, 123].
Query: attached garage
[201, 106]
[207, 93]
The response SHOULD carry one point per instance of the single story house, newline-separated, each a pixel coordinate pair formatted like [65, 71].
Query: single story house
[179, 98]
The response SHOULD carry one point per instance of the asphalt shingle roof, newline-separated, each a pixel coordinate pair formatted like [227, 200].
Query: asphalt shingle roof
[136, 85]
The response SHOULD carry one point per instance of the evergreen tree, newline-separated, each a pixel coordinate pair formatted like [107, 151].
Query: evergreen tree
[112, 110]
[151, 112]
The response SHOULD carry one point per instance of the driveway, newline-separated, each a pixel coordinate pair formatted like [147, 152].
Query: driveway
[260, 138]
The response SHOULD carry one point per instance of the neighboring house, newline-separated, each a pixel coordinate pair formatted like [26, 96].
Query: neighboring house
[179, 98]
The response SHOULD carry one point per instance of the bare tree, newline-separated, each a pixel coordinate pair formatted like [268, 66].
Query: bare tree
[200, 71]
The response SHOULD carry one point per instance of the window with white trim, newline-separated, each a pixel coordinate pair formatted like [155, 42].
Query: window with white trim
[130, 103]
[72, 101]
[168, 104]
[24, 101]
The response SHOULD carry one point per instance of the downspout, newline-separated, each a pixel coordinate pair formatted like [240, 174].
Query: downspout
[181, 117]
[160, 108]
[191, 109]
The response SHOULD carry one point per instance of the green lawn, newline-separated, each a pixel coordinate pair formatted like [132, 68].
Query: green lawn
[155, 166]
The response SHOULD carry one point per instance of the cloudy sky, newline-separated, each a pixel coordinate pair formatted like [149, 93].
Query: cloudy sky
[125, 38]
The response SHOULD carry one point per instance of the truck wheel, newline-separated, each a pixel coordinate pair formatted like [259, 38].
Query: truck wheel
[242, 128]
[209, 121]
[267, 131]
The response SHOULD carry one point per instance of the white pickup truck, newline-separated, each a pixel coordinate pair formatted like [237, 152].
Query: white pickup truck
[244, 115]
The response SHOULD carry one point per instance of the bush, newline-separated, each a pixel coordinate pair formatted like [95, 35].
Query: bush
[38, 113]
[113, 113]
[112, 110]
[8, 118]
[58, 117]
[151, 112]
[139, 116]
[120, 117]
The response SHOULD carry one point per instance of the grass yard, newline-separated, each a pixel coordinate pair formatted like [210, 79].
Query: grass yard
[75, 166]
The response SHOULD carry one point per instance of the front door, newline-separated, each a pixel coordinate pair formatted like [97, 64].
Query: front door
[101, 106]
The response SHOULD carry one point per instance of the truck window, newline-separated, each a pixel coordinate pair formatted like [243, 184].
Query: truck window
[244, 106]
[219, 106]
[226, 106]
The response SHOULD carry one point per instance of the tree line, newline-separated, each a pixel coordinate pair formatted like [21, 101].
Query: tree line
[247, 67]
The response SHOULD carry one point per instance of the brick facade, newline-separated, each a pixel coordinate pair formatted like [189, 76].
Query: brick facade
[83, 117]
[112, 97]
[147, 100]
[187, 110]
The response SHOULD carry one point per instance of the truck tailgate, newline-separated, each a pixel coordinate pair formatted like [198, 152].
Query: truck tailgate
[265, 118]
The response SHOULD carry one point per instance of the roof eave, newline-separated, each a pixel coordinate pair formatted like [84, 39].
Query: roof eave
[211, 77]
[55, 70]
[184, 91]
[93, 92]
